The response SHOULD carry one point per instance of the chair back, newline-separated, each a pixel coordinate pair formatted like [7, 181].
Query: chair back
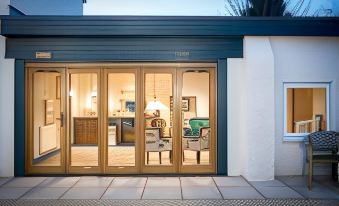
[324, 141]
[197, 123]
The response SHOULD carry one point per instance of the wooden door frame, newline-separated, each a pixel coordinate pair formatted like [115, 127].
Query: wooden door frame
[210, 168]
[150, 169]
[29, 121]
[139, 69]
[121, 169]
[84, 169]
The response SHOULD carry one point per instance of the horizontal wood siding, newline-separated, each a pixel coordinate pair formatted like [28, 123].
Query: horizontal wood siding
[166, 26]
[124, 48]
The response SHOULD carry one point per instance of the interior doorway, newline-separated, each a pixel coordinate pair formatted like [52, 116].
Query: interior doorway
[121, 118]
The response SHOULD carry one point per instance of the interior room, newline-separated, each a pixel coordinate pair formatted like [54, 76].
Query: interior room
[84, 108]
[46, 119]
[306, 110]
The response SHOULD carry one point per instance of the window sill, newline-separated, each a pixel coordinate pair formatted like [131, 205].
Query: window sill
[288, 138]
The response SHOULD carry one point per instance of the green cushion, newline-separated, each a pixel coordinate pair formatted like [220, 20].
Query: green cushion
[197, 123]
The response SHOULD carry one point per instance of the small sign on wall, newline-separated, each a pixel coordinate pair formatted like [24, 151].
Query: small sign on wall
[182, 54]
[43, 55]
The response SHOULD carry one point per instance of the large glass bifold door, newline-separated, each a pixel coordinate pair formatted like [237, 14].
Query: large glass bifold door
[116, 120]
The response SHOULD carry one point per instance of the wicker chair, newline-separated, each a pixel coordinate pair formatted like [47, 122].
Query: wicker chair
[322, 147]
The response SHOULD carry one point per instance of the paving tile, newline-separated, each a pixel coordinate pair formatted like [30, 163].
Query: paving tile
[163, 182]
[201, 193]
[163, 193]
[12, 193]
[240, 193]
[278, 192]
[45, 193]
[59, 182]
[230, 181]
[94, 182]
[317, 192]
[197, 181]
[3, 180]
[123, 193]
[84, 193]
[270, 183]
[295, 180]
[24, 182]
[129, 182]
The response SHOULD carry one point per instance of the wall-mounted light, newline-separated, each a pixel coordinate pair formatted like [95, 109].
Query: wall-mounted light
[71, 93]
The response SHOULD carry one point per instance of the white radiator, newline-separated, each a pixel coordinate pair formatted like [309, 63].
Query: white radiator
[48, 138]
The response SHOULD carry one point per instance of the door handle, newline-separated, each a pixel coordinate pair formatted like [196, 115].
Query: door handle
[61, 119]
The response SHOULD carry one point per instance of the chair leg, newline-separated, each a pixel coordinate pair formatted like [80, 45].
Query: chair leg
[198, 157]
[170, 156]
[160, 157]
[310, 174]
[335, 171]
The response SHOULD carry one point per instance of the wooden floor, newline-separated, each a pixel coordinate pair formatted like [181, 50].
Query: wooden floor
[118, 156]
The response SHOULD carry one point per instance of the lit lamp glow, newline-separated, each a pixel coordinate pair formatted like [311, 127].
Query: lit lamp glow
[155, 105]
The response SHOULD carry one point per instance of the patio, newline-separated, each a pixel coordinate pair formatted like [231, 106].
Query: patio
[190, 189]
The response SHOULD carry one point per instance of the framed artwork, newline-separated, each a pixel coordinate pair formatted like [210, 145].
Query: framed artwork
[130, 106]
[58, 87]
[185, 104]
[49, 112]
[188, 106]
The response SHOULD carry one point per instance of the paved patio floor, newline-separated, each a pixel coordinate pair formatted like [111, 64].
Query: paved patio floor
[167, 189]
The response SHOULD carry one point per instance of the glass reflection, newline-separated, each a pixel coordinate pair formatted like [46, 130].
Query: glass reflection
[84, 119]
[121, 119]
[46, 119]
[195, 118]
[158, 114]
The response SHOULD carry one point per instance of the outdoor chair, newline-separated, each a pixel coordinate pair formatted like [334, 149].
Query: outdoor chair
[322, 147]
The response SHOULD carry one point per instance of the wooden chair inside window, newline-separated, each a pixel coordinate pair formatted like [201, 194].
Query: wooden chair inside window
[322, 147]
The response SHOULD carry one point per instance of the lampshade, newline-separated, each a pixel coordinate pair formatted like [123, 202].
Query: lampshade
[155, 105]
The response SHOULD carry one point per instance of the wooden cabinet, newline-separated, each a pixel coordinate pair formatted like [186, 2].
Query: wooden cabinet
[86, 130]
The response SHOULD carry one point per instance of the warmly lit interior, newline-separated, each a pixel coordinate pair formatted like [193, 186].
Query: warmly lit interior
[306, 110]
[85, 100]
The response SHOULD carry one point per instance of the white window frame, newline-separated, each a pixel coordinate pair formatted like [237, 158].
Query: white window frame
[287, 85]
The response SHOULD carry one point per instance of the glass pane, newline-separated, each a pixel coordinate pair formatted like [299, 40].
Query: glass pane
[84, 119]
[195, 118]
[121, 114]
[46, 118]
[306, 110]
[158, 119]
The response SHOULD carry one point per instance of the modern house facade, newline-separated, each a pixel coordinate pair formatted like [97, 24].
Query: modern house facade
[165, 95]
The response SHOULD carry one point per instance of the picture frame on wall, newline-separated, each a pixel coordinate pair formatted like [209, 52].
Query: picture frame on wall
[185, 104]
[130, 106]
[49, 112]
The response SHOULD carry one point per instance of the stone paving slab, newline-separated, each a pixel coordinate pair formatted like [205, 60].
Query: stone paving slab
[24, 182]
[177, 188]
[267, 202]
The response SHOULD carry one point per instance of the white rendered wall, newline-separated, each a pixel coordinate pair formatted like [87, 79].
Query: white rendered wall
[256, 148]
[251, 118]
[303, 59]
[6, 106]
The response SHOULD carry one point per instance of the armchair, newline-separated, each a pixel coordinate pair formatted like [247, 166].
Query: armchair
[197, 137]
[322, 147]
[156, 144]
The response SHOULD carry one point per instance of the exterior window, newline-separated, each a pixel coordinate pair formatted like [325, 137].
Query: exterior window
[306, 109]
